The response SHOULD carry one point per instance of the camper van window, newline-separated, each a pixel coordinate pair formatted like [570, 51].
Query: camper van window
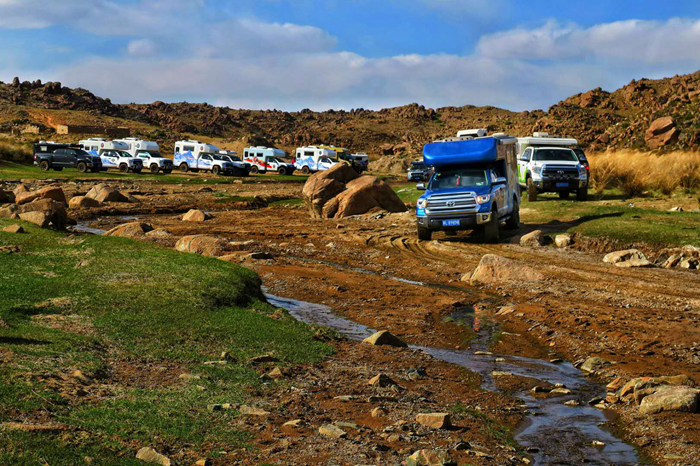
[551, 155]
[309, 154]
[259, 154]
[177, 150]
[188, 148]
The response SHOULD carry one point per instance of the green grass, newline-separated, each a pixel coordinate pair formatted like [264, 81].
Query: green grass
[618, 222]
[288, 202]
[17, 171]
[143, 309]
[407, 192]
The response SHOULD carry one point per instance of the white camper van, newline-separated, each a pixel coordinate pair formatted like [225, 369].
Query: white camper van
[113, 154]
[312, 159]
[264, 159]
[196, 155]
[149, 153]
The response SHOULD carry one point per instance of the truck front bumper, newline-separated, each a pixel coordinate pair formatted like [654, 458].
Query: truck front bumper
[466, 221]
[547, 185]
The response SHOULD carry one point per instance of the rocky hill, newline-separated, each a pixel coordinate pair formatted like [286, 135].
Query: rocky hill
[598, 119]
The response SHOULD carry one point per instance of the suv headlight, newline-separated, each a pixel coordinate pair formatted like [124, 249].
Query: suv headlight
[422, 203]
[483, 199]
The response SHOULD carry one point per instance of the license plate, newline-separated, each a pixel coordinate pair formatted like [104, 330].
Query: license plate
[562, 185]
[450, 223]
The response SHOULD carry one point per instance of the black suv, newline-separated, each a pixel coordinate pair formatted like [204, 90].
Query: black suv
[419, 172]
[59, 156]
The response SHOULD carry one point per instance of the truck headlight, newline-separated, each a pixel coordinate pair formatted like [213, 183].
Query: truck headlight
[582, 171]
[483, 199]
[537, 169]
[422, 203]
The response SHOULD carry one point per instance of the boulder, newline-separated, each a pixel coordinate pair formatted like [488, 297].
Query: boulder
[130, 230]
[195, 216]
[627, 258]
[594, 364]
[563, 241]
[20, 188]
[671, 398]
[9, 211]
[13, 229]
[434, 420]
[362, 195]
[149, 455]
[55, 211]
[323, 186]
[533, 240]
[82, 202]
[103, 193]
[631, 387]
[493, 269]
[429, 458]
[662, 132]
[37, 218]
[51, 192]
[384, 338]
[201, 244]
[159, 233]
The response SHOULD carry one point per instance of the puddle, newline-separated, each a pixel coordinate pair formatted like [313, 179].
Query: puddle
[84, 227]
[562, 434]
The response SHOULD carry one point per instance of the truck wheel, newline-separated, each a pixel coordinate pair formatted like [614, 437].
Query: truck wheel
[155, 168]
[424, 234]
[184, 168]
[531, 190]
[216, 169]
[513, 223]
[305, 170]
[44, 165]
[123, 168]
[490, 232]
[563, 194]
[82, 167]
[254, 170]
[582, 194]
[282, 171]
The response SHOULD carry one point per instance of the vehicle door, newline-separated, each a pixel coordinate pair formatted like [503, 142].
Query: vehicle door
[205, 162]
[145, 159]
[270, 163]
[523, 162]
[110, 158]
[499, 192]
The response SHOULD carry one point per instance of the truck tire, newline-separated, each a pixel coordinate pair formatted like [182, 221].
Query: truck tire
[216, 169]
[563, 194]
[490, 232]
[282, 171]
[155, 168]
[305, 170]
[254, 170]
[531, 190]
[82, 167]
[44, 165]
[123, 168]
[424, 234]
[513, 223]
[582, 194]
[184, 168]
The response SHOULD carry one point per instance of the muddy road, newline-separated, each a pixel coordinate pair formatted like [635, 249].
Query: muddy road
[371, 271]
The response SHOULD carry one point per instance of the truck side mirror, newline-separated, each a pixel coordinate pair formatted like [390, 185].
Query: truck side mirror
[420, 186]
[500, 180]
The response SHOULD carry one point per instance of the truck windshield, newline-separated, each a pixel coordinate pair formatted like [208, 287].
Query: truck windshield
[459, 178]
[552, 155]
[278, 160]
[124, 154]
[155, 155]
[219, 157]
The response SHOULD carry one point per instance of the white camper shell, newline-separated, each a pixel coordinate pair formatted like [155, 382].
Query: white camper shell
[264, 159]
[193, 155]
[311, 159]
[149, 153]
[113, 154]
[541, 139]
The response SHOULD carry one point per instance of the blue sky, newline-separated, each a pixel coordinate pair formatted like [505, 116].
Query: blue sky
[320, 54]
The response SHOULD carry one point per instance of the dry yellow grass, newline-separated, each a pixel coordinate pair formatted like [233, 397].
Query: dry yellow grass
[636, 172]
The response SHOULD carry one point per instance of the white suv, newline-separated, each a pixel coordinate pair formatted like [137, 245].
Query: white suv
[552, 169]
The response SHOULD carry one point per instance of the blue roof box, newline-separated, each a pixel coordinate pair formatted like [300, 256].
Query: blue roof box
[459, 152]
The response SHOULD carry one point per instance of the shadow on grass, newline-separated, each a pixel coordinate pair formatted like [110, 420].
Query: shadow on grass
[23, 341]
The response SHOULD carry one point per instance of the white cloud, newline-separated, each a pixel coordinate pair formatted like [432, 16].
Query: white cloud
[651, 42]
[141, 48]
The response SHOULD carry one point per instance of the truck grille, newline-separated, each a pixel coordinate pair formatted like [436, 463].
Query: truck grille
[453, 203]
[559, 173]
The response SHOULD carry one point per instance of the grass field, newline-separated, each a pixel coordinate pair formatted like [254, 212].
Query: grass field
[20, 171]
[132, 317]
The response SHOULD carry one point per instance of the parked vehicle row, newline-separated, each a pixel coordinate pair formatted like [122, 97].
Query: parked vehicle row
[192, 155]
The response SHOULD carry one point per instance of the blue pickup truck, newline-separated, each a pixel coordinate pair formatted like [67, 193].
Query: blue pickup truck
[474, 186]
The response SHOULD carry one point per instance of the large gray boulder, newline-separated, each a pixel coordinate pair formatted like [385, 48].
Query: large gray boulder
[670, 398]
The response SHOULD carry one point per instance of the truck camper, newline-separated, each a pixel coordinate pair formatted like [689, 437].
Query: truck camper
[192, 155]
[113, 154]
[474, 186]
[149, 153]
[264, 159]
[313, 159]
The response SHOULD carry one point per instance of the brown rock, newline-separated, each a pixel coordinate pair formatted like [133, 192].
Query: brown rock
[329, 430]
[493, 269]
[130, 230]
[385, 338]
[381, 380]
[14, 229]
[103, 193]
[627, 258]
[428, 458]
[149, 455]
[362, 195]
[533, 239]
[82, 202]
[434, 420]
[37, 218]
[52, 192]
[379, 412]
[195, 216]
[252, 411]
[662, 132]
[323, 186]
[201, 244]
[671, 398]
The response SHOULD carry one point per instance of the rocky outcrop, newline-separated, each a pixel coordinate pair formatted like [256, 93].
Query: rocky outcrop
[52, 213]
[51, 192]
[627, 258]
[662, 132]
[340, 192]
[493, 269]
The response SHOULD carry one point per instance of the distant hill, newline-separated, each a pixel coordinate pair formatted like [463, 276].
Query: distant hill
[598, 119]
